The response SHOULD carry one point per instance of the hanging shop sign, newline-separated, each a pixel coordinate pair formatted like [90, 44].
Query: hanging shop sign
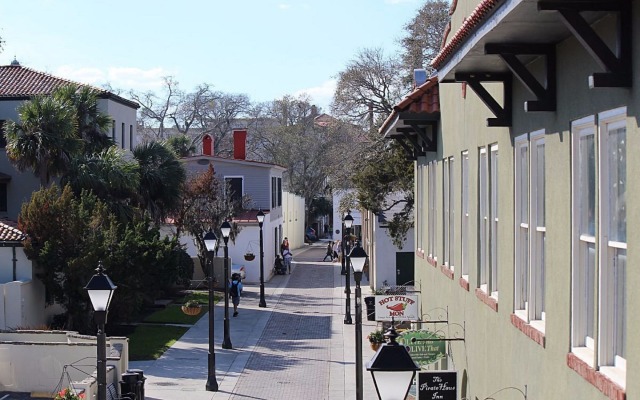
[397, 307]
[437, 385]
[425, 347]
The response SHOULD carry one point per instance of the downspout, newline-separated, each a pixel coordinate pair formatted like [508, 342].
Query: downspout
[15, 262]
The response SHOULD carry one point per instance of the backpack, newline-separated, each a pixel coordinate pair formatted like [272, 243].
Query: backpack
[235, 290]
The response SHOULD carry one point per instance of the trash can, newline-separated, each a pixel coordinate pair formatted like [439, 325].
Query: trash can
[141, 379]
[129, 386]
[370, 302]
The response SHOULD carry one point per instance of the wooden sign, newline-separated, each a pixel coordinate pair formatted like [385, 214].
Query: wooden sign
[437, 385]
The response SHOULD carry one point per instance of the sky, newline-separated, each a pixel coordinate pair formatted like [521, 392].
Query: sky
[262, 48]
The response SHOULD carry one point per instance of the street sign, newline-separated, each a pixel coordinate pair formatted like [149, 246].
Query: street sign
[423, 352]
[437, 385]
[397, 307]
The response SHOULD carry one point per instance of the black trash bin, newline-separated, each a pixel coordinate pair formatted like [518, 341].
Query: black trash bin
[129, 386]
[370, 301]
[141, 380]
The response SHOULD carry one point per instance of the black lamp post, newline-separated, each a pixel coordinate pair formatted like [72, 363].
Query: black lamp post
[100, 289]
[348, 223]
[358, 258]
[226, 231]
[210, 241]
[392, 369]
[263, 302]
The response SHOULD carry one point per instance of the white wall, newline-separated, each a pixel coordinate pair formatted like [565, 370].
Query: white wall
[23, 265]
[337, 216]
[22, 304]
[385, 253]
[293, 219]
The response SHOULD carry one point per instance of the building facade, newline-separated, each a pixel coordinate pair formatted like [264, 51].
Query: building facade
[525, 221]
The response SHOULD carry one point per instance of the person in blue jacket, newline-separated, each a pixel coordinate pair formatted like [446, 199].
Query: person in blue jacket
[235, 291]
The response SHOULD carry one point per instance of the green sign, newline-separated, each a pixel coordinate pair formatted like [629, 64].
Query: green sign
[423, 352]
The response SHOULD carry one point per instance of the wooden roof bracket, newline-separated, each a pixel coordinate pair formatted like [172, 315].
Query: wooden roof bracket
[618, 67]
[474, 80]
[407, 148]
[545, 92]
[429, 137]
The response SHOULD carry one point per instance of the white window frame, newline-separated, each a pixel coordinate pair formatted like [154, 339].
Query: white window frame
[464, 212]
[583, 276]
[493, 228]
[419, 211]
[448, 212]
[530, 229]
[521, 185]
[433, 210]
[483, 219]
[613, 248]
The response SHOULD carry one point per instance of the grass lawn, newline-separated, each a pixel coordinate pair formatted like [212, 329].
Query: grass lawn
[148, 342]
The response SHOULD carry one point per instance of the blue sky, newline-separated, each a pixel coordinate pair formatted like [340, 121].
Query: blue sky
[262, 48]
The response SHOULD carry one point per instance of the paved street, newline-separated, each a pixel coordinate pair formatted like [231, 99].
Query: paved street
[297, 347]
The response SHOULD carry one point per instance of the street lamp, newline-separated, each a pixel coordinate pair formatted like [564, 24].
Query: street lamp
[392, 369]
[260, 218]
[210, 241]
[358, 258]
[100, 289]
[348, 223]
[226, 231]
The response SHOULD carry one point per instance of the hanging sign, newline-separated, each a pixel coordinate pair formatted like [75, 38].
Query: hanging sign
[423, 352]
[397, 307]
[437, 385]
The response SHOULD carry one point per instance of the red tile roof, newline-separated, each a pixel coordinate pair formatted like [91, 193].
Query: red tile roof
[9, 231]
[424, 99]
[17, 81]
[470, 23]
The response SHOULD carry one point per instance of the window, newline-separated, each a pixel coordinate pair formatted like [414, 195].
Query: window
[420, 217]
[3, 197]
[448, 212]
[483, 217]
[464, 234]
[274, 196]
[131, 137]
[123, 138]
[600, 241]
[530, 228]
[432, 210]
[493, 229]
[279, 182]
[113, 129]
[234, 188]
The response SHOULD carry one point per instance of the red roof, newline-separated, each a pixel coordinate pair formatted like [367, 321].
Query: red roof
[9, 231]
[22, 82]
[470, 23]
[424, 99]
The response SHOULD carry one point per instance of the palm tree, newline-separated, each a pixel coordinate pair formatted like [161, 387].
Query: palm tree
[110, 175]
[182, 145]
[161, 179]
[93, 125]
[45, 140]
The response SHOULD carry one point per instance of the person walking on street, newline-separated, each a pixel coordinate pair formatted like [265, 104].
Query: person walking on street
[235, 291]
[287, 260]
[329, 252]
[284, 245]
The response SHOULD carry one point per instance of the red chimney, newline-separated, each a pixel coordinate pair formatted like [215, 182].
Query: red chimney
[240, 144]
[207, 145]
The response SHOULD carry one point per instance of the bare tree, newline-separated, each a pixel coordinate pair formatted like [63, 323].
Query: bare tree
[368, 88]
[423, 37]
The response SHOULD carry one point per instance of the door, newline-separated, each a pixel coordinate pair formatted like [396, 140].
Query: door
[404, 268]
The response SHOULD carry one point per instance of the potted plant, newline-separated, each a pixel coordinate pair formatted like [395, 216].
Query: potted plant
[249, 256]
[68, 394]
[376, 338]
[191, 307]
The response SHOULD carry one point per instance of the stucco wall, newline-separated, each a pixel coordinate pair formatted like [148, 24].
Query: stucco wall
[495, 354]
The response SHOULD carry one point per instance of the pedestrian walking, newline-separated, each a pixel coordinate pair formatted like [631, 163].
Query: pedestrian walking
[235, 291]
[284, 245]
[287, 260]
[337, 248]
[329, 252]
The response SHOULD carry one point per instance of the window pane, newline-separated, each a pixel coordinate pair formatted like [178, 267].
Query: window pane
[589, 289]
[540, 185]
[620, 309]
[617, 184]
[587, 171]
[523, 181]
